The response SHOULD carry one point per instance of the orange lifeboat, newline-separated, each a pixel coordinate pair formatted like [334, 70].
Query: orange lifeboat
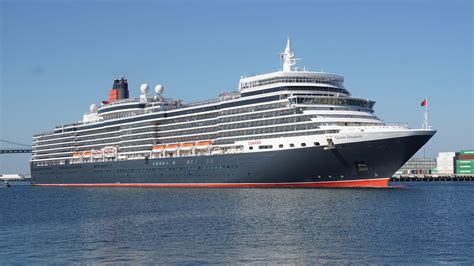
[158, 148]
[172, 147]
[87, 154]
[77, 154]
[186, 146]
[203, 144]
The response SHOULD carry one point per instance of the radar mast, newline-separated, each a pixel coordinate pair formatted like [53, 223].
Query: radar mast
[288, 56]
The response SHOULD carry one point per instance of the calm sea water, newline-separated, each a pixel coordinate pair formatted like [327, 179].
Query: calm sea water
[423, 223]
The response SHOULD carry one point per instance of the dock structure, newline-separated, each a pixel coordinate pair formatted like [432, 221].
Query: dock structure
[411, 178]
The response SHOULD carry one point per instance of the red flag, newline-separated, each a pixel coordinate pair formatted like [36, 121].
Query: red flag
[424, 102]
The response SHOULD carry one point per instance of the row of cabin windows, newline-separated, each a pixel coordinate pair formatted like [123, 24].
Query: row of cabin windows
[97, 136]
[254, 108]
[143, 124]
[175, 120]
[229, 119]
[170, 119]
[245, 117]
[250, 116]
[242, 118]
[54, 141]
[49, 136]
[268, 122]
[265, 147]
[270, 129]
[45, 147]
[292, 134]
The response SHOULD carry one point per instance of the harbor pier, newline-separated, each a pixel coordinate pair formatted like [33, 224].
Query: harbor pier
[432, 177]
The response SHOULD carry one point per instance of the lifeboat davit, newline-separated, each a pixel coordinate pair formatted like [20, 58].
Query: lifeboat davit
[97, 154]
[108, 153]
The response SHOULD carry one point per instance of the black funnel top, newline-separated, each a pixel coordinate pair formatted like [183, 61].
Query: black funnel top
[121, 86]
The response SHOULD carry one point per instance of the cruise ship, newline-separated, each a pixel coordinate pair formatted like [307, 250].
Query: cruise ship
[290, 128]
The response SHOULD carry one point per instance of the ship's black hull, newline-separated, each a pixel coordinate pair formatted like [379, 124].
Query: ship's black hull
[368, 163]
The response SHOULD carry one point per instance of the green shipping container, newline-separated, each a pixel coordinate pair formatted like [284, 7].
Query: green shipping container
[467, 152]
[471, 172]
[464, 171]
[464, 161]
[464, 167]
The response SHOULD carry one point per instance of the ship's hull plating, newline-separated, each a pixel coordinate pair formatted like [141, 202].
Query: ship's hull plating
[359, 164]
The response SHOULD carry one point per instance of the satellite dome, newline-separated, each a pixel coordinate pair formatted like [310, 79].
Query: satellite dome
[144, 88]
[93, 108]
[159, 89]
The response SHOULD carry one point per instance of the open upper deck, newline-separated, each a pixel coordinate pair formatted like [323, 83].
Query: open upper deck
[290, 75]
[316, 78]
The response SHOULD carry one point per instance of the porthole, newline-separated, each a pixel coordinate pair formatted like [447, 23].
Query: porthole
[250, 148]
[292, 145]
[303, 144]
[316, 144]
[281, 145]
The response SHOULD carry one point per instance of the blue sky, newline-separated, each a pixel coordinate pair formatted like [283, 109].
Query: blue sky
[58, 57]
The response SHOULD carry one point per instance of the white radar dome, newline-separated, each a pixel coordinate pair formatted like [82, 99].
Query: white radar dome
[159, 89]
[144, 88]
[93, 108]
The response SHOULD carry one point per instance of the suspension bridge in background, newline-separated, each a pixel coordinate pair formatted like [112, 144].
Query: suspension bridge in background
[18, 147]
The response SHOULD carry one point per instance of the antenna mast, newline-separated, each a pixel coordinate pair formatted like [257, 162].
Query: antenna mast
[288, 56]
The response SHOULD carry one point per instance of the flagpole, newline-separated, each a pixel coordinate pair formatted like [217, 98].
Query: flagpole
[426, 113]
[425, 123]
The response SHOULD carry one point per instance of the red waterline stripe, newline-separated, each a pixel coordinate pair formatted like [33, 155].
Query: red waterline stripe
[379, 183]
